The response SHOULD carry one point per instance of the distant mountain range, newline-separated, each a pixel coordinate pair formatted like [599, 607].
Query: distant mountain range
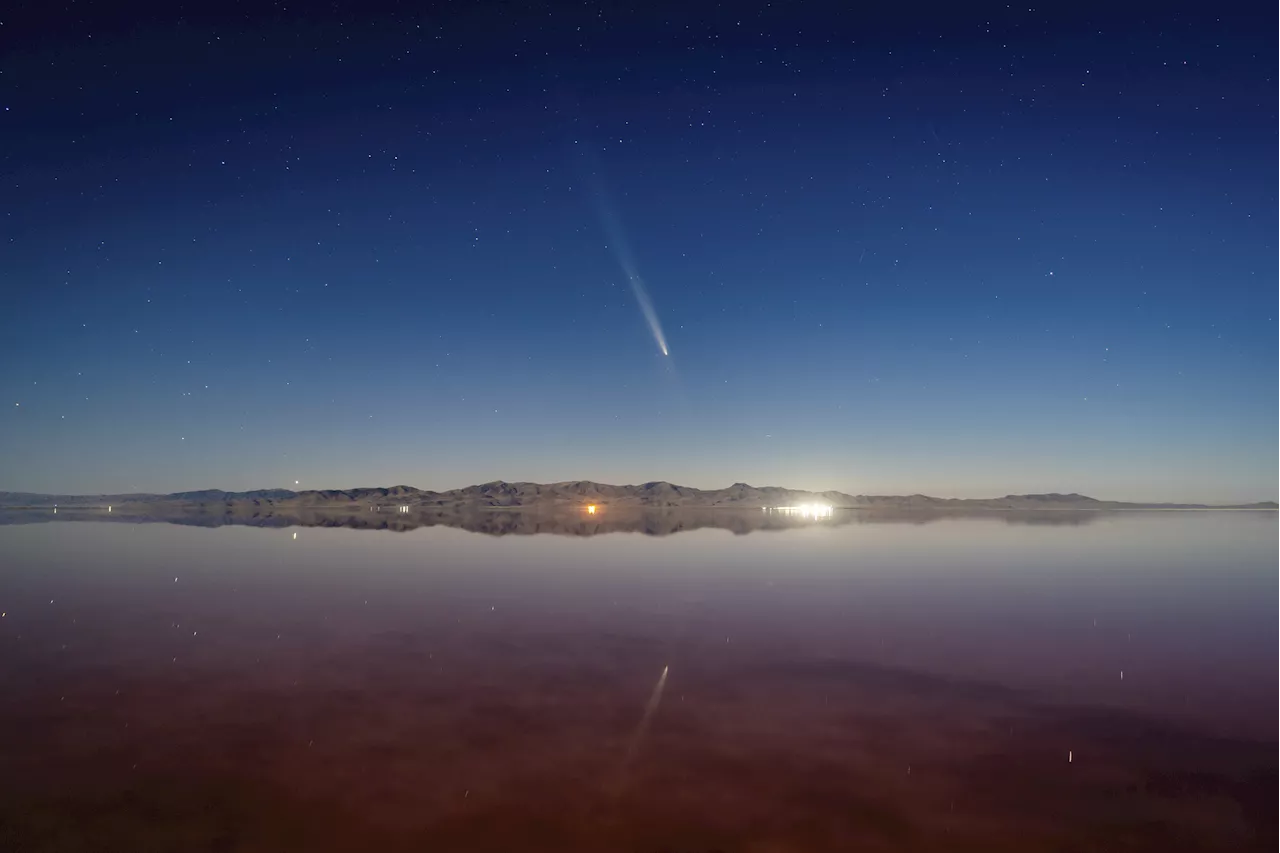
[571, 495]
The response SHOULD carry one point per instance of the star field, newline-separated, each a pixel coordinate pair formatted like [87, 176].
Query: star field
[964, 250]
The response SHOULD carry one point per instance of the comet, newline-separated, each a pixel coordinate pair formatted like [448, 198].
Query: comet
[621, 248]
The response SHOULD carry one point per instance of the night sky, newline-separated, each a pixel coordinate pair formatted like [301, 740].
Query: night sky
[959, 249]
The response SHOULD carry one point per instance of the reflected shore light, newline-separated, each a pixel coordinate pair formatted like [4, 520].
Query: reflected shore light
[807, 510]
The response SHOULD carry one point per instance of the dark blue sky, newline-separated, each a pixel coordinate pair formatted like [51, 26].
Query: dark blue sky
[961, 249]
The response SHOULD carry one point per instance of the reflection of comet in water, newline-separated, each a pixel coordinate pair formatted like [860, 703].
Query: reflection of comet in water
[622, 251]
[637, 739]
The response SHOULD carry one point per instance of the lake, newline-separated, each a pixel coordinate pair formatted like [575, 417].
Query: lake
[721, 682]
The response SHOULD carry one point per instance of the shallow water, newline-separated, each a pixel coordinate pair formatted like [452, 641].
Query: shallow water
[1084, 682]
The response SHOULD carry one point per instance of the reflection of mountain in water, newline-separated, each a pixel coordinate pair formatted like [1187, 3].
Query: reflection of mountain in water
[510, 522]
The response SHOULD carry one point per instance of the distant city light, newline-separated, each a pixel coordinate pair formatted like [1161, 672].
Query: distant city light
[807, 510]
[591, 509]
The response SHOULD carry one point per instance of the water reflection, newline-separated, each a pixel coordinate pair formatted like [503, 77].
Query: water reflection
[589, 522]
[857, 682]
[813, 511]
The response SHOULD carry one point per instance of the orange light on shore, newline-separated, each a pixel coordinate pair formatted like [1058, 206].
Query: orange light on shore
[591, 509]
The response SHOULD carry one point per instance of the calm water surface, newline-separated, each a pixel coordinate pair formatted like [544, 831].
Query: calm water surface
[855, 683]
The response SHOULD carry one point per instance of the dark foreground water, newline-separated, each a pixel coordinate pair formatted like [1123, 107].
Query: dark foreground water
[1100, 682]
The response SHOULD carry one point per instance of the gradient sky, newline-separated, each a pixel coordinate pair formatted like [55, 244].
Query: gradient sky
[959, 249]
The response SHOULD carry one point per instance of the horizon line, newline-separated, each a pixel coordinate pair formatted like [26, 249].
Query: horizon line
[297, 489]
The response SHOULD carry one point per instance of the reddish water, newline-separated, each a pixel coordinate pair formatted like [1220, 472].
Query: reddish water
[954, 685]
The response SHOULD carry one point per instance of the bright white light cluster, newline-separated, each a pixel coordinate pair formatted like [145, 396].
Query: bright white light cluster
[808, 510]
